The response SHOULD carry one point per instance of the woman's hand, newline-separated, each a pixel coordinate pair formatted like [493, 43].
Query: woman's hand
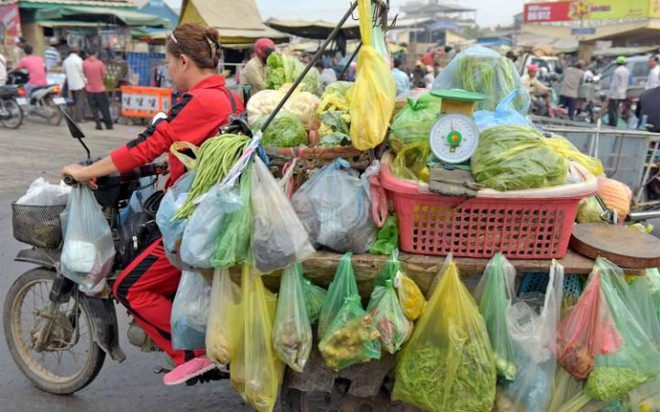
[78, 173]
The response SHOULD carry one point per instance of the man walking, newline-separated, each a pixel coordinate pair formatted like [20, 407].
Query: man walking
[653, 80]
[94, 71]
[570, 85]
[75, 79]
[401, 78]
[618, 90]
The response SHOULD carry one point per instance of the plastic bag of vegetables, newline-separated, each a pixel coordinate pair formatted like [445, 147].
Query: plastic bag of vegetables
[232, 245]
[483, 70]
[279, 238]
[351, 337]
[410, 296]
[494, 294]
[638, 360]
[413, 124]
[225, 323]
[504, 115]
[653, 276]
[283, 69]
[447, 365]
[314, 299]
[517, 157]
[88, 251]
[533, 333]
[301, 103]
[190, 311]
[170, 227]
[373, 95]
[343, 286]
[411, 162]
[292, 331]
[388, 317]
[286, 130]
[256, 372]
[335, 209]
[588, 330]
[565, 148]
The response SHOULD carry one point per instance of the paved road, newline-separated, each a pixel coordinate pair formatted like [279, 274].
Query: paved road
[36, 150]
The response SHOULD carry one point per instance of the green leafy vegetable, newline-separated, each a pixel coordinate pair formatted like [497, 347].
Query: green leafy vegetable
[284, 69]
[517, 157]
[413, 123]
[286, 130]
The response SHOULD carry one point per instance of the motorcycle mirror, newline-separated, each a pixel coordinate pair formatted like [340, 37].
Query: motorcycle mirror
[157, 117]
[75, 131]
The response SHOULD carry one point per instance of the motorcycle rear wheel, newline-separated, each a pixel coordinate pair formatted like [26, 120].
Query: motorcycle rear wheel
[15, 114]
[53, 114]
[21, 316]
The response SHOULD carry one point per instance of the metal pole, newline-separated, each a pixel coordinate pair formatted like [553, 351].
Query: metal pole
[350, 60]
[313, 61]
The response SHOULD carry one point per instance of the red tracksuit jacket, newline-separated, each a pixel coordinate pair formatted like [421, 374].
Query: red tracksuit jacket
[197, 116]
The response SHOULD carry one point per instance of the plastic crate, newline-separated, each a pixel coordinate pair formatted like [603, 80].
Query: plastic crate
[523, 224]
[38, 226]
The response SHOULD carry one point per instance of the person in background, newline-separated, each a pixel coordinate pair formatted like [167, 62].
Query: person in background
[35, 68]
[430, 75]
[3, 70]
[97, 98]
[18, 51]
[418, 75]
[76, 81]
[570, 84]
[328, 75]
[401, 78]
[618, 90]
[256, 69]
[649, 106]
[531, 81]
[52, 55]
[653, 79]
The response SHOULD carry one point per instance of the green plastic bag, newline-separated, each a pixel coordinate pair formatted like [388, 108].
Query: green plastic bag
[350, 338]
[233, 244]
[653, 276]
[314, 299]
[517, 157]
[387, 239]
[447, 365]
[292, 332]
[494, 294]
[640, 293]
[638, 360]
[343, 286]
[388, 317]
[413, 123]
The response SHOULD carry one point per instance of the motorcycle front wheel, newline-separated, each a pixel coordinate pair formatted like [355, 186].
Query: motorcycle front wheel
[53, 114]
[14, 116]
[69, 358]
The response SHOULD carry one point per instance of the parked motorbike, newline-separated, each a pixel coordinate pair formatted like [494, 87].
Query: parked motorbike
[57, 335]
[39, 101]
[11, 115]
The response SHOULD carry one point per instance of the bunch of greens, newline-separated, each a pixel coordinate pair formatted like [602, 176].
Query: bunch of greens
[517, 157]
[286, 130]
[283, 69]
[335, 116]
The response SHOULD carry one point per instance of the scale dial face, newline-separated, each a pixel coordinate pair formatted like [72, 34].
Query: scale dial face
[454, 138]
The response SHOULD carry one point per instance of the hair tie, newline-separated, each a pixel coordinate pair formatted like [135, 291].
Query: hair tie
[215, 46]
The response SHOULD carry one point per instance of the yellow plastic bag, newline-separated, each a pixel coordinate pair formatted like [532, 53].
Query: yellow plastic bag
[259, 372]
[448, 363]
[410, 296]
[410, 162]
[373, 95]
[225, 321]
[562, 146]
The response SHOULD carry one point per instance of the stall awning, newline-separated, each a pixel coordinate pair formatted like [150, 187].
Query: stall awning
[238, 22]
[316, 29]
[106, 15]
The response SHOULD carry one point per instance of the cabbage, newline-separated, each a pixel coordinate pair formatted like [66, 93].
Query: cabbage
[517, 157]
[284, 69]
[286, 130]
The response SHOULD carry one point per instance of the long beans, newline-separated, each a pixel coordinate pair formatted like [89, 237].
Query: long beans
[216, 157]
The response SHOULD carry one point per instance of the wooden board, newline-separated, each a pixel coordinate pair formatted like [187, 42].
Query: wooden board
[625, 247]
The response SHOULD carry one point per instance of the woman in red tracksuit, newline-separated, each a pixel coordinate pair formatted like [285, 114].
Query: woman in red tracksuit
[146, 287]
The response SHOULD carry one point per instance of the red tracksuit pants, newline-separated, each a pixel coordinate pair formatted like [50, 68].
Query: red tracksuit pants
[147, 288]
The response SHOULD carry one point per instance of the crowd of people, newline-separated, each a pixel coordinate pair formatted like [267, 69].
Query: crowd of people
[84, 72]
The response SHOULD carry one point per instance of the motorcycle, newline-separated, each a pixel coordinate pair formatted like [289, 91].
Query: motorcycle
[39, 101]
[45, 315]
[11, 115]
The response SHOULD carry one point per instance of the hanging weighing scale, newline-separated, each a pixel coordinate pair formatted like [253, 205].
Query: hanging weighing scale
[454, 137]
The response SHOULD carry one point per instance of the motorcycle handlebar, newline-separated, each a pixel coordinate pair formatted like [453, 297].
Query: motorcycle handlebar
[153, 169]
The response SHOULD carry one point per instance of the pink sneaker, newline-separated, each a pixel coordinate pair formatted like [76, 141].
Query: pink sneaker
[188, 370]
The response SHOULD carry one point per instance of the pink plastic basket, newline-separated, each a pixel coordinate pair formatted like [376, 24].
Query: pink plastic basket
[522, 224]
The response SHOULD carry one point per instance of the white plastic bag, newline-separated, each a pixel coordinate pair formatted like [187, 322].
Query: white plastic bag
[335, 209]
[89, 250]
[190, 312]
[172, 229]
[42, 193]
[279, 238]
[534, 335]
[202, 230]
